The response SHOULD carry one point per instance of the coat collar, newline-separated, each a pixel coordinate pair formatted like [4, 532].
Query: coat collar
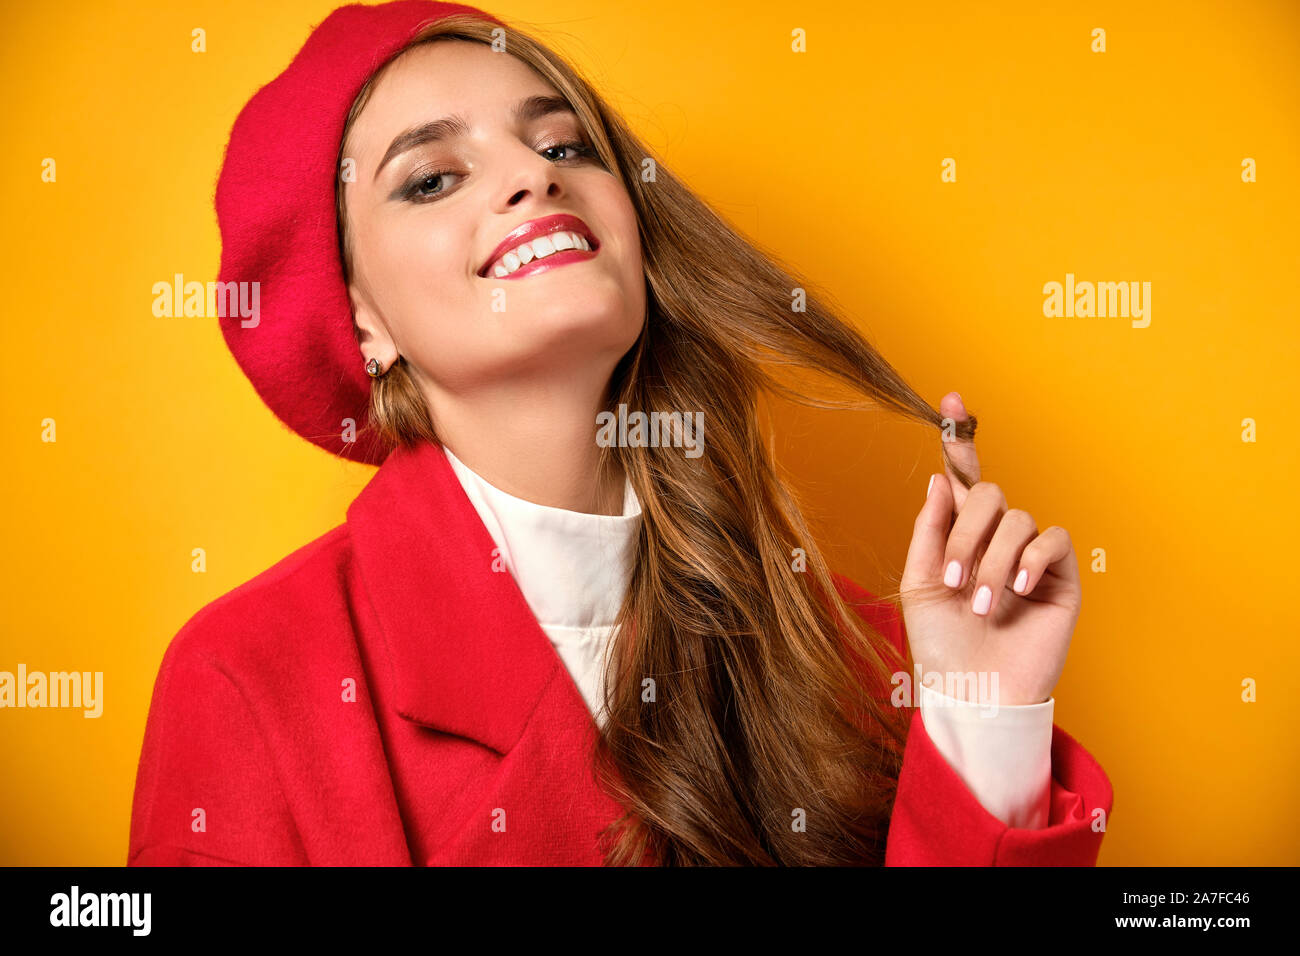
[468, 656]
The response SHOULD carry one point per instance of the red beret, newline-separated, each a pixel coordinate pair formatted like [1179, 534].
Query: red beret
[279, 229]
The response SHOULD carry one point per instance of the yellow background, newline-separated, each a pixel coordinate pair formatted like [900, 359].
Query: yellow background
[1123, 165]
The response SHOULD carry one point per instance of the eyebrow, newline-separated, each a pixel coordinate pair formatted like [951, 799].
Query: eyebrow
[525, 111]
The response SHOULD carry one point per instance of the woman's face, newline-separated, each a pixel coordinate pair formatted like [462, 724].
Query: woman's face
[426, 220]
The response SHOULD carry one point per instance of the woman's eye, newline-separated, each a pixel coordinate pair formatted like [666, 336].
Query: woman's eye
[574, 150]
[425, 188]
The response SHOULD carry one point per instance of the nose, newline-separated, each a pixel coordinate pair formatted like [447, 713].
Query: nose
[527, 174]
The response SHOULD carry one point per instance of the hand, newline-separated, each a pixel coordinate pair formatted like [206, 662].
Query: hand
[1022, 636]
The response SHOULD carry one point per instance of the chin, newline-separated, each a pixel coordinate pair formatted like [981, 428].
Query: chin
[574, 338]
[598, 317]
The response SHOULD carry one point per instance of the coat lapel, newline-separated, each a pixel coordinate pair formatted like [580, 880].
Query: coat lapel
[468, 656]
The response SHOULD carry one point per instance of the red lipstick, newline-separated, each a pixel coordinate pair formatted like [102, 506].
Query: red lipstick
[536, 228]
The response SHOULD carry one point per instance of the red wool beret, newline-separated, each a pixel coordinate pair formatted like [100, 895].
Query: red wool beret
[275, 209]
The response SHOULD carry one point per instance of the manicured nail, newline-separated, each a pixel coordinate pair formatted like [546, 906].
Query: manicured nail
[952, 577]
[1022, 581]
[930, 487]
[983, 598]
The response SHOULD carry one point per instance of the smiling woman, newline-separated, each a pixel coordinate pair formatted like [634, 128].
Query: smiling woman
[462, 155]
[483, 263]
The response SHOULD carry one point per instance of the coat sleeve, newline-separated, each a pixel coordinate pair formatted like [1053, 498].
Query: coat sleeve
[937, 821]
[206, 790]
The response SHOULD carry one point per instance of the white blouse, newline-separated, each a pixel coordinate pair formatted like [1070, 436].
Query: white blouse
[574, 568]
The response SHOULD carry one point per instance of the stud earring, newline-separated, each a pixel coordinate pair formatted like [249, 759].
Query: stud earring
[373, 368]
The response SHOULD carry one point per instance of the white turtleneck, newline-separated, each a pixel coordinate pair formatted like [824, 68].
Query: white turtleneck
[574, 568]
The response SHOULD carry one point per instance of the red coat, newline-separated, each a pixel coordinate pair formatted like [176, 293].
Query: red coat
[462, 717]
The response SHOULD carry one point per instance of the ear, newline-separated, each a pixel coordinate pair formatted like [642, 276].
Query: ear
[375, 341]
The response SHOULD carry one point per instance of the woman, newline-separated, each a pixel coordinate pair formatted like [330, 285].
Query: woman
[529, 646]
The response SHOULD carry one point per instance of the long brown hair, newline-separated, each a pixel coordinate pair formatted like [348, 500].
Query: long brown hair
[747, 724]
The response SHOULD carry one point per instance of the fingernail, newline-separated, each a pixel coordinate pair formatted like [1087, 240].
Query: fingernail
[929, 487]
[952, 577]
[983, 598]
[1022, 581]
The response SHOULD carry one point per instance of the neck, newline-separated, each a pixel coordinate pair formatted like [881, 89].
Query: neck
[534, 440]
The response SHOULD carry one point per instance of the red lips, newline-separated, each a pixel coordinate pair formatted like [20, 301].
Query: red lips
[535, 228]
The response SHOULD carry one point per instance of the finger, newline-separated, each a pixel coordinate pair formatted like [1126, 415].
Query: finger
[930, 534]
[1001, 559]
[971, 532]
[1052, 550]
[960, 450]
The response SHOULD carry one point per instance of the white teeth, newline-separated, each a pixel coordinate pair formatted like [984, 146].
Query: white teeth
[539, 248]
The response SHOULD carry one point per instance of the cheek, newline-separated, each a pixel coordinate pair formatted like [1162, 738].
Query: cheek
[418, 260]
[419, 275]
[628, 222]
[621, 217]
[634, 265]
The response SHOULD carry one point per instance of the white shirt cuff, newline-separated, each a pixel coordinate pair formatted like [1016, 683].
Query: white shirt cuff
[1003, 755]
